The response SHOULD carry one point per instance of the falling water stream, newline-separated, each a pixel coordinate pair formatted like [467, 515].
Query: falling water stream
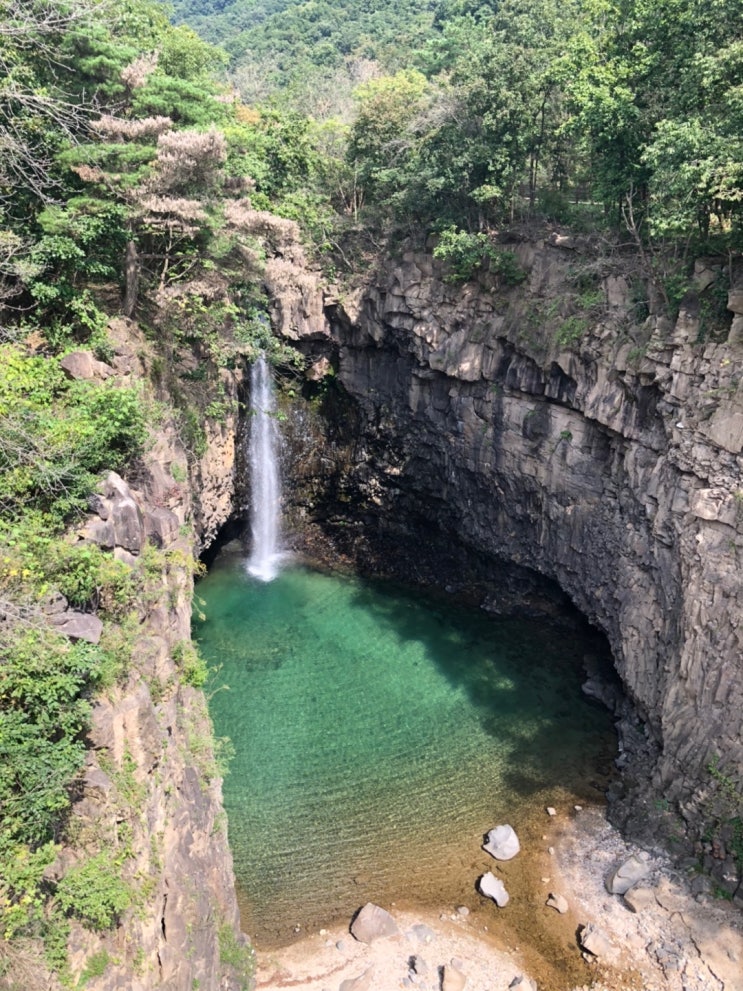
[265, 512]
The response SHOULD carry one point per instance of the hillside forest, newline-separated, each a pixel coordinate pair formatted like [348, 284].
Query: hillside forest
[154, 156]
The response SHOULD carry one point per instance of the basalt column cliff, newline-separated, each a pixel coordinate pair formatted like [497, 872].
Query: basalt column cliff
[588, 439]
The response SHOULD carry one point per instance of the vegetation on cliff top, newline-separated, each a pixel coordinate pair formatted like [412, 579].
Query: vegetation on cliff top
[516, 108]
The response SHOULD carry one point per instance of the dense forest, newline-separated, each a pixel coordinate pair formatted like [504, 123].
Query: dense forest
[143, 167]
[471, 112]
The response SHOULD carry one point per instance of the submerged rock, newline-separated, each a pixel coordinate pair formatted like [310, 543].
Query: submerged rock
[523, 983]
[502, 843]
[421, 933]
[557, 902]
[637, 899]
[492, 887]
[364, 982]
[454, 978]
[595, 941]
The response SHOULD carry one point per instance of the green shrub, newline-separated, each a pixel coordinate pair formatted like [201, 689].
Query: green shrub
[44, 685]
[571, 330]
[45, 682]
[554, 205]
[95, 966]
[94, 892]
[22, 888]
[88, 576]
[56, 436]
[236, 955]
[192, 665]
[466, 253]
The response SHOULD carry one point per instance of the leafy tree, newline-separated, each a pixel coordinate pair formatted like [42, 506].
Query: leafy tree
[382, 140]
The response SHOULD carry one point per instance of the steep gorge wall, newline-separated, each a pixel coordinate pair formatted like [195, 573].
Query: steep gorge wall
[150, 797]
[610, 463]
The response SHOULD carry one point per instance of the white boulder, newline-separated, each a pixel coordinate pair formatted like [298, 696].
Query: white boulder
[502, 843]
[492, 887]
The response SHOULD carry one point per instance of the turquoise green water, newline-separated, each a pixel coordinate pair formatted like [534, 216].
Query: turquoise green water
[378, 736]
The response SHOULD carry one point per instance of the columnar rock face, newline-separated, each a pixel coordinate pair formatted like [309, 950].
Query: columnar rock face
[550, 427]
[151, 792]
[150, 795]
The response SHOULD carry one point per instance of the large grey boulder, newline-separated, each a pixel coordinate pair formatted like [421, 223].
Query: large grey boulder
[502, 843]
[626, 876]
[735, 300]
[124, 513]
[493, 887]
[84, 365]
[78, 626]
[120, 523]
[161, 526]
[372, 923]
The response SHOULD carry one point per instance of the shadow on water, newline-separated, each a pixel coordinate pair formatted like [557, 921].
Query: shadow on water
[509, 669]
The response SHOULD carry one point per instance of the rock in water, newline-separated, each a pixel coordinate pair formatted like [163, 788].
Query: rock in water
[372, 923]
[523, 983]
[637, 899]
[626, 876]
[502, 843]
[421, 933]
[418, 966]
[492, 887]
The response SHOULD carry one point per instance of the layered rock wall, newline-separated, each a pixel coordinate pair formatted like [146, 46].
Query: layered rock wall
[556, 430]
[150, 797]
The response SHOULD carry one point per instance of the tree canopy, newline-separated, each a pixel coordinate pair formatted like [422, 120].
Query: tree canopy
[522, 106]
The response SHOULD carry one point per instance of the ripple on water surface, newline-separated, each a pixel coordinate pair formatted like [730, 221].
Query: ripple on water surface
[378, 735]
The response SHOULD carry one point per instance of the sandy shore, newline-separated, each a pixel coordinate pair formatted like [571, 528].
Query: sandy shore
[677, 942]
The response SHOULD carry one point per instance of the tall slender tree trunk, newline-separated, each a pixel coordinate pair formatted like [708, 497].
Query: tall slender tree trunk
[131, 279]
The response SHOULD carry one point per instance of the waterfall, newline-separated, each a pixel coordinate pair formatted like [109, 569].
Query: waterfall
[265, 487]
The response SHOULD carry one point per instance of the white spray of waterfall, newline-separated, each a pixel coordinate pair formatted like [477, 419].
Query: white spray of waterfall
[265, 513]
